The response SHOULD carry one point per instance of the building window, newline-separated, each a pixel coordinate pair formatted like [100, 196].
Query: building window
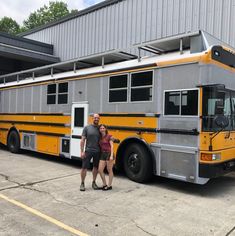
[118, 86]
[141, 86]
[183, 103]
[57, 93]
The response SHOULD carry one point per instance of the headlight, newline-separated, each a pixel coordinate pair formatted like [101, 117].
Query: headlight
[216, 157]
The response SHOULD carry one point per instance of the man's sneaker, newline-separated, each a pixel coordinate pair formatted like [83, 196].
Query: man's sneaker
[94, 186]
[82, 187]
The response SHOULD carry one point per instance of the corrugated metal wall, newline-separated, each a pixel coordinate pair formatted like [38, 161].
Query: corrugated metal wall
[130, 22]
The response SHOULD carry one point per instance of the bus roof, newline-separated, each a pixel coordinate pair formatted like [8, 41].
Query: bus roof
[163, 60]
[184, 48]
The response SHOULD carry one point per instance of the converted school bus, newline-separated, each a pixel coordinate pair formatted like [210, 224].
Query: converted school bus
[173, 113]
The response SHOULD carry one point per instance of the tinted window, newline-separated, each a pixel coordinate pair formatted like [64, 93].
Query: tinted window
[141, 94]
[63, 88]
[172, 103]
[119, 81]
[51, 99]
[51, 88]
[79, 117]
[189, 103]
[118, 88]
[118, 96]
[57, 93]
[141, 86]
[62, 98]
[142, 79]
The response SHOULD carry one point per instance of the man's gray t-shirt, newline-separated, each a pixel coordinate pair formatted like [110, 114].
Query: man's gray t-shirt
[92, 135]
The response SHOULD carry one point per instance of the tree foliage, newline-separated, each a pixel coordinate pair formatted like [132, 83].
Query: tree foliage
[46, 14]
[8, 25]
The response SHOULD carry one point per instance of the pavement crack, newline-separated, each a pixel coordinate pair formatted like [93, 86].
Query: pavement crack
[95, 213]
[7, 178]
[232, 230]
[46, 180]
[139, 227]
[52, 196]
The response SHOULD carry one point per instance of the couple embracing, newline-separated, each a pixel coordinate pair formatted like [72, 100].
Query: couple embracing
[99, 146]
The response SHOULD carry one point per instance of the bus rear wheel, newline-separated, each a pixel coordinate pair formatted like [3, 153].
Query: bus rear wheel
[137, 163]
[13, 142]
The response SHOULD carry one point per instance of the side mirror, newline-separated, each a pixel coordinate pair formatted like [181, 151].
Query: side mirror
[222, 121]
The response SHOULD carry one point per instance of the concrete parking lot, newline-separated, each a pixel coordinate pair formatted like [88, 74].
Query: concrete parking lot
[39, 195]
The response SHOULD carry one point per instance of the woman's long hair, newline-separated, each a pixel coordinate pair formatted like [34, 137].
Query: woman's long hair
[106, 130]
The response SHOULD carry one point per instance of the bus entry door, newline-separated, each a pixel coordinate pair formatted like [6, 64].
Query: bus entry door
[79, 120]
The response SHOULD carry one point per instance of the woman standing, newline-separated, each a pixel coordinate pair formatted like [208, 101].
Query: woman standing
[106, 158]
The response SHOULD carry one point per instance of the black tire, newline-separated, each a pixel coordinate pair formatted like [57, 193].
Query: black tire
[13, 142]
[137, 163]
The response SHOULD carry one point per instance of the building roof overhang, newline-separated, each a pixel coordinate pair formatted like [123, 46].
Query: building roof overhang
[17, 53]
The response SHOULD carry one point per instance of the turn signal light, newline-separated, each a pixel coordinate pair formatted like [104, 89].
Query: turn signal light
[206, 157]
[210, 156]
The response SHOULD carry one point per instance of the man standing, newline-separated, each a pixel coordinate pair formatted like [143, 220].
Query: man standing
[90, 139]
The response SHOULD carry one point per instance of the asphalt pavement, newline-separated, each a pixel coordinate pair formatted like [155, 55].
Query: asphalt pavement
[39, 195]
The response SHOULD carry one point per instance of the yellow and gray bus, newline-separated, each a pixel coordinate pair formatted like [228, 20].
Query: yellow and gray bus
[174, 113]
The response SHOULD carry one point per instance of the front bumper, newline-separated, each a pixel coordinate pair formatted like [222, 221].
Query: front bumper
[216, 170]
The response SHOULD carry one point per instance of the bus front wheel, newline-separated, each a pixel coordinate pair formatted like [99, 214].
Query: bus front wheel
[13, 142]
[137, 163]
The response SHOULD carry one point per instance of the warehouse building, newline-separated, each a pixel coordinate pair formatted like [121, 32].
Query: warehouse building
[122, 24]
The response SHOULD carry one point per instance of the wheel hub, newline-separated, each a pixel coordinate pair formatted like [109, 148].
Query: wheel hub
[134, 163]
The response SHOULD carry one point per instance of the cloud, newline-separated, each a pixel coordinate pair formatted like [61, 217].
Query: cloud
[19, 10]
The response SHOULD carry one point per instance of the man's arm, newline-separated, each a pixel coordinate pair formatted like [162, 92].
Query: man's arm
[82, 145]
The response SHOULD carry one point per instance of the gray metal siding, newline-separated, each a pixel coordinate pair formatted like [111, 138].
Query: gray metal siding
[129, 22]
[96, 92]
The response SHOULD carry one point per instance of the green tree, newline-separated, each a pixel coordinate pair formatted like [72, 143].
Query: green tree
[9, 25]
[46, 14]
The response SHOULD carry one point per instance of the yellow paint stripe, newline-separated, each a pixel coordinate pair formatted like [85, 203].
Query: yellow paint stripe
[45, 217]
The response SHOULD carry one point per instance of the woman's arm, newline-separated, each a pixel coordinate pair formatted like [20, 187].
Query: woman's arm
[111, 145]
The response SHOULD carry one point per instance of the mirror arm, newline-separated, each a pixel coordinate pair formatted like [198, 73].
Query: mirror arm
[211, 138]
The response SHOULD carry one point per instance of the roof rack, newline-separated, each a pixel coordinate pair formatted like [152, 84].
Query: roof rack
[71, 65]
[197, 41]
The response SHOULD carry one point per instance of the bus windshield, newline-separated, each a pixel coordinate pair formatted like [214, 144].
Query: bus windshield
[217, 101]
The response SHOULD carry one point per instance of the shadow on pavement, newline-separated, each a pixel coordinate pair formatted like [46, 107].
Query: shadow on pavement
[214, 187]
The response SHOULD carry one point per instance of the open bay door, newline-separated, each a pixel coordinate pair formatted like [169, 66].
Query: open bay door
[79, 120]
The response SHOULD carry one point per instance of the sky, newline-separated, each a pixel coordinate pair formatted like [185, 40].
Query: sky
[19, 10]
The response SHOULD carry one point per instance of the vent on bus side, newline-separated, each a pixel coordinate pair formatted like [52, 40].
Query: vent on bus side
[65, 145]
[28, 141]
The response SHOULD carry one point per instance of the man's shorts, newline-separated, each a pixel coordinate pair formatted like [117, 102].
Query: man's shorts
[87, 159]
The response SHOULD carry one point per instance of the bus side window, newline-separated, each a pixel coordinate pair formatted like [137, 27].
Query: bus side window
[172, 102]
[189, 103]
[184, 102]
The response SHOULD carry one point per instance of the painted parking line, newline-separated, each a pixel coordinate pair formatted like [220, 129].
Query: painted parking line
[45, 217]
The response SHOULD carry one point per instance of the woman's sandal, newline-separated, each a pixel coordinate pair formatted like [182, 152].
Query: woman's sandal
[105, 188]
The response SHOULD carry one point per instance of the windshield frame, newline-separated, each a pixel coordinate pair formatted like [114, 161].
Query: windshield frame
[217, 101]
